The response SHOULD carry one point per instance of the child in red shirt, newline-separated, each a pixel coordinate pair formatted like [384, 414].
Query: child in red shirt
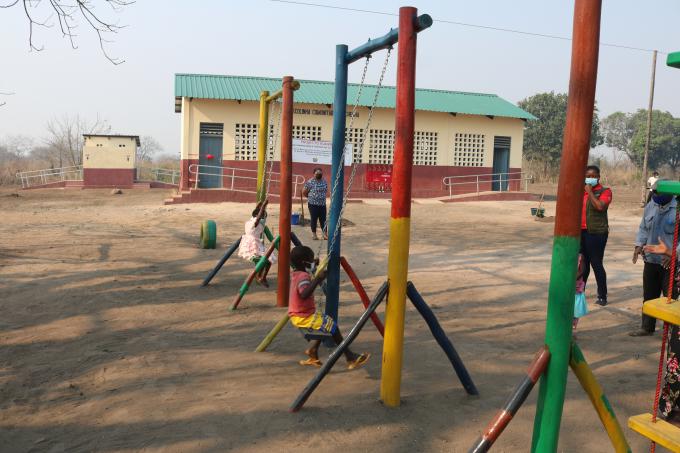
[302, 310]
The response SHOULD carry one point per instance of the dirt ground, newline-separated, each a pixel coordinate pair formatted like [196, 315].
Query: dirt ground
[108, 343]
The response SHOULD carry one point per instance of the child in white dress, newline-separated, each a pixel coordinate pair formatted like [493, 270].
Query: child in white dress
[252, 244]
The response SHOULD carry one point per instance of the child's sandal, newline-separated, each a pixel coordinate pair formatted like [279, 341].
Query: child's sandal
[310, 362]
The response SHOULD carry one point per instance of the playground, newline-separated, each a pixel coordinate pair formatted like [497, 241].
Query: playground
[110, 344]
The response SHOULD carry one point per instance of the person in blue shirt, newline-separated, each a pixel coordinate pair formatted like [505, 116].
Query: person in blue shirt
[316, 190]
[658, 223]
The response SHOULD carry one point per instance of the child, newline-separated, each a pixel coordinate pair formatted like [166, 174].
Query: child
[302, 310]
[252, 245]
[580, 306]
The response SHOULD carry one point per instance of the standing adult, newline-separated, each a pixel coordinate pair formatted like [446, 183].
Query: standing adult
[669, 399]
[658, 221]
[650, 184]
[315, 190]
[595, 230]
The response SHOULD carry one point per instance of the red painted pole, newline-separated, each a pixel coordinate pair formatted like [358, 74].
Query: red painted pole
[286, 192]
[362, 294]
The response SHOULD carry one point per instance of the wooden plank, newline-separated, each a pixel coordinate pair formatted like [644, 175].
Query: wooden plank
[661, 432]
[660, 309]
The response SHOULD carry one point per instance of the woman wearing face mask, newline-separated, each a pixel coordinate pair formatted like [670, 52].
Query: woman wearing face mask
[658, 223]
[595, 230]
[315, 190]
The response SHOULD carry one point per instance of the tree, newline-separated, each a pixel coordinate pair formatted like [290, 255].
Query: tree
[148, 148]
[69, 15]
[627, 132]
[543, 137]
[65, 138]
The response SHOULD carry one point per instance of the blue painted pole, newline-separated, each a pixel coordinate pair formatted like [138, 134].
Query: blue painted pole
[439, 335]
[337, 171]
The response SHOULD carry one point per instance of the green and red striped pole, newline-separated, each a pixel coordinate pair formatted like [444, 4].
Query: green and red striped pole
[400, 223]
[566, 243]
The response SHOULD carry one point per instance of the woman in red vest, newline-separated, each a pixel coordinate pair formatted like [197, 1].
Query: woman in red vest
[595, 230]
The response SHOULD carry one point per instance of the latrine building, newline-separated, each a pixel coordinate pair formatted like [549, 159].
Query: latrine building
[456, 133]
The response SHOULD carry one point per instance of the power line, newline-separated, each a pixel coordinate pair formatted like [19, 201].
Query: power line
[464, 24]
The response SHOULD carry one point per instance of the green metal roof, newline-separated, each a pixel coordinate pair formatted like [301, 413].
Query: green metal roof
[205, 86]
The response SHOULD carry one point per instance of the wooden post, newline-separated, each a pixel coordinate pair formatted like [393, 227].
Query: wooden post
[262, 142]
[286, 191]
[650, 106]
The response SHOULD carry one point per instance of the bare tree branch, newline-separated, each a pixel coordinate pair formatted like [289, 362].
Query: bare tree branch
[69, 13]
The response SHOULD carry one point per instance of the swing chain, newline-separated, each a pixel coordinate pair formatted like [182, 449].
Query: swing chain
[274, 141]
[350, 181]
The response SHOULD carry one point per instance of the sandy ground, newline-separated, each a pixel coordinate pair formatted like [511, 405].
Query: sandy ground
[108, 343]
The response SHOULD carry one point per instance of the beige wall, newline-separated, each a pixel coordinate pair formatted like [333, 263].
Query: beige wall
[109, 152]
[229, 112]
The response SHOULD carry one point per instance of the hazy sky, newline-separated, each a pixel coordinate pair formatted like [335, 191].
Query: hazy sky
[264, 38]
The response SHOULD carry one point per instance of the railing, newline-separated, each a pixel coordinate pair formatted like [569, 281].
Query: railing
[230, 178]
[504, 180]
[167, 175]
[49, 175]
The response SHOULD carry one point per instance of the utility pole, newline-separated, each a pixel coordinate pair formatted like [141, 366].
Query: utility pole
[643, 200]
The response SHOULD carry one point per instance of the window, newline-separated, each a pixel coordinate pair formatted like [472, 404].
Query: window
[468, 150]
[425, 148]
[245, 141]
[353, 137]
[381, 146]
[307, 132]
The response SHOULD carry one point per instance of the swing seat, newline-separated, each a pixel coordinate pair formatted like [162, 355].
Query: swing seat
[659, 309]
[325, 338]
[661, 432]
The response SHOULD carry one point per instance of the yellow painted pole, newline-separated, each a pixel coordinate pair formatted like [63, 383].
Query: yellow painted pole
[262, 142]
[274, 332]
[600, 402]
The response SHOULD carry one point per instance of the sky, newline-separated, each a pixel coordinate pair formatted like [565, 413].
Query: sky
[265, 38]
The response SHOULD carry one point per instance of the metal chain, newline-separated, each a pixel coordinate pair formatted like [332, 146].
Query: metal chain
[361, 146]
[275, 137]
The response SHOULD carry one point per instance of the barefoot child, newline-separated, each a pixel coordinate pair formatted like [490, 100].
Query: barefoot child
[580, 306]
[252, 245]
[302, 310]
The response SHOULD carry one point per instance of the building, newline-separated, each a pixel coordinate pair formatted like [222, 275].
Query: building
[456, 133]
[109, 160]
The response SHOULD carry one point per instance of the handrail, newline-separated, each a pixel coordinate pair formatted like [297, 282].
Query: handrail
[505, 177]
[195, 169]
[48, 175]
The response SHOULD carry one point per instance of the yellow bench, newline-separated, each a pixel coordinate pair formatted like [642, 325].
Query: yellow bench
[660, 309]
[661, 432]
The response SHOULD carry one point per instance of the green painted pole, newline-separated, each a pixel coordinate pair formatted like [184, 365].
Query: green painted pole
[566, 244]
[268, 233]
[258, 267]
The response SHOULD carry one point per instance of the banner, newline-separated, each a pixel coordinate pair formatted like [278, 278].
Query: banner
[317, 152]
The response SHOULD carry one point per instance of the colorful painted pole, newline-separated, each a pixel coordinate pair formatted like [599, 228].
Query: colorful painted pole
[600, 402]
[273, 333]
[286, 192]
[337, 173]
[512, 405]
[362, 294]
[262, 141]
[566, 243]
[230, 251]
[400, 223]
[337, 352]
[258, 267]
[441, 338]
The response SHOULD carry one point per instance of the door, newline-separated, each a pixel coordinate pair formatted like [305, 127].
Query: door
[501, 163]
[210, 155]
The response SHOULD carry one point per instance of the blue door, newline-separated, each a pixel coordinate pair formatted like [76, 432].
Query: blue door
[501, 164]
[210, 155]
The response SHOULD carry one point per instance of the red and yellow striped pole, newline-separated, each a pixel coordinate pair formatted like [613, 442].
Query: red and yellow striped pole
[400, 223]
